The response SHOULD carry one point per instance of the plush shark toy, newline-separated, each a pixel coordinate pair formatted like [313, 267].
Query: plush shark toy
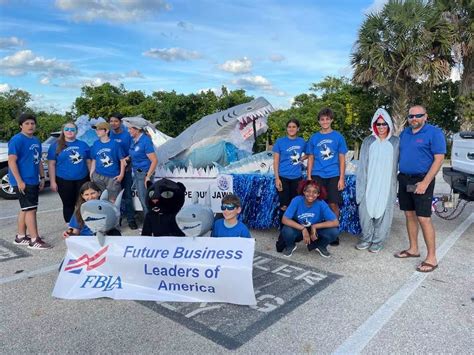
[102, 216]
[196, 220]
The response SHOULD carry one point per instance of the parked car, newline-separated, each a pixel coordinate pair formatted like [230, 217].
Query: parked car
[460, 176]
[6, 190]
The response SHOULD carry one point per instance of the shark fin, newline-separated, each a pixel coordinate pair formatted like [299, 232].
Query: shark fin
[195, 198]
[118, 200]
[207, 199]
[101, 238]
[104, 195]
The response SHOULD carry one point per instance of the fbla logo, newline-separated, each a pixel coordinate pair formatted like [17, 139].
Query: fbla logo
[106, 283]
[75, 266]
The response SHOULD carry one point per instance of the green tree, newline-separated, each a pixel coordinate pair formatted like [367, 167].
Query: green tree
[408, 41]
[12, 104]
[460, 14]
[100, 101]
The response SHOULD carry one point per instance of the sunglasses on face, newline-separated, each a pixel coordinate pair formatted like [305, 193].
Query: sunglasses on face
[418, 115]
[69, 129]
[228, 207]
[381, 124]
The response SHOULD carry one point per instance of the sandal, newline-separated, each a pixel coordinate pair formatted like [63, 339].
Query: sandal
[431, 267]
[405, 254]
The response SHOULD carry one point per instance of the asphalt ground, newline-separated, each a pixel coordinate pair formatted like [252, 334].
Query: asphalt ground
[368, 303]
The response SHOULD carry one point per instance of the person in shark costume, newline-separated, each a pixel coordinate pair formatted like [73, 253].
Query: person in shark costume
[376, 182]
[233, 125]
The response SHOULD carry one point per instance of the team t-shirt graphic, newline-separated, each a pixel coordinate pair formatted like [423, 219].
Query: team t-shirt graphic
[295, 156]
[324, 150]
[105, 159]
[36, 155]
[74, 155]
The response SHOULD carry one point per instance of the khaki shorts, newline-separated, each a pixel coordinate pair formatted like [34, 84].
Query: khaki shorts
[112, 186]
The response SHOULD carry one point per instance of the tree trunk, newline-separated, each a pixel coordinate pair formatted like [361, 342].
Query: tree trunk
[400, 110]
[466, 95]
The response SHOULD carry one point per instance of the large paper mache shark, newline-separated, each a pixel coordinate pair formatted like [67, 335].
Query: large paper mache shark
[234, 125]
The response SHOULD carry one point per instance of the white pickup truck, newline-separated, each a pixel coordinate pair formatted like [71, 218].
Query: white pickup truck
[460, 176]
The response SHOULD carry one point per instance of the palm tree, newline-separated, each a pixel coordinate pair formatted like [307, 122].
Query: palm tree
[460, 14]
[408, 42]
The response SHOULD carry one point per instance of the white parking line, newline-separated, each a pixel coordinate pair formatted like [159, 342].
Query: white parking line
[25, 275]
[364, 334]
[39, 212]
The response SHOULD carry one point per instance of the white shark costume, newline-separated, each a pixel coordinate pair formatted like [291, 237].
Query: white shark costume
[376, 182]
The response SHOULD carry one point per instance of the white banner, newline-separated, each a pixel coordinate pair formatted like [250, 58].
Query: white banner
[174, 269]
[219, 186]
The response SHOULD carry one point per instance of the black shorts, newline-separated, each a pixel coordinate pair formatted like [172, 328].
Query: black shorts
[330, 184]
[28, 199]
[290, 187]
[410, 201]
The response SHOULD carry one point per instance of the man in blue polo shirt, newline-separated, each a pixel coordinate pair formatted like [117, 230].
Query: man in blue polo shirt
[422, 150]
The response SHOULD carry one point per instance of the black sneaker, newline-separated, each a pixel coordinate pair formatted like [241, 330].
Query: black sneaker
[133, 225]
[335, 243]
[22, 241]
[39, 244]
[288, 251]
[323, 252]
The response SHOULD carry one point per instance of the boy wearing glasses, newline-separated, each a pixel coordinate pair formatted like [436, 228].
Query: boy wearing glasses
[422, 150]
[230, 226]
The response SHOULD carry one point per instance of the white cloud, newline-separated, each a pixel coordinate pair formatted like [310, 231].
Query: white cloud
[258, 82]
[217, 92]
[4, 88]
[45, 80]
[25, 61]
[10, 42]
[112, 10]
[237, 66]
[253, 82]
[375, 7]
[172, 54]
[277, 58]
[98, 79]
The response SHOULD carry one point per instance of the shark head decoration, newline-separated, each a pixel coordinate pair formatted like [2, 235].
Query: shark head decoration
[196, 220]
[234, 125]
[101, 215]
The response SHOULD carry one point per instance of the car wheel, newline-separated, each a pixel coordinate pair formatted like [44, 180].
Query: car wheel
[6, 190]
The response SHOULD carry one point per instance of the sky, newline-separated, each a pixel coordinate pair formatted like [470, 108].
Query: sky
[271, 48]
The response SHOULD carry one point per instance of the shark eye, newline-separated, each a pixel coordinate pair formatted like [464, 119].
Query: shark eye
[194, 216]
[167, 194]
[99, 208]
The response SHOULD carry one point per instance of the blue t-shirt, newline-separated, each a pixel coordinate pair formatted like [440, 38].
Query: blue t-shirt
[123, 138]
[318, 212]
[326, 149]
[290, 151]
[71, 162]
[28, 154]
[139, 151]
[417, 150]
[84, 230]
[220, 230]
[107, 157]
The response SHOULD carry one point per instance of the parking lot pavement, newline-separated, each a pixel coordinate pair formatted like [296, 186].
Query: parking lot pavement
[362, 302]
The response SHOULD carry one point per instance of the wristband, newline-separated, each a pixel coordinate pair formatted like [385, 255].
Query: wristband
[42, 177]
